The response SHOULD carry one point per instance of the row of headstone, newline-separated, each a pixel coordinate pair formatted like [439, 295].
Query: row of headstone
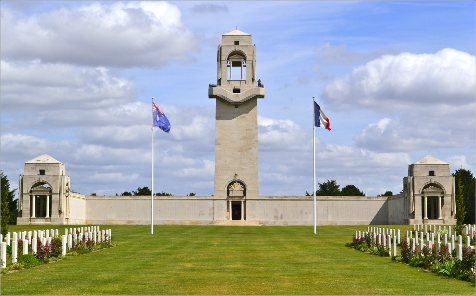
[391, 237]
[385, 231]
[451, 245]
[68, 240]
[380, 237]
[469, 230]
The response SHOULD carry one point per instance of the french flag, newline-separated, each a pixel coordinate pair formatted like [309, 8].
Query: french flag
[320, 118]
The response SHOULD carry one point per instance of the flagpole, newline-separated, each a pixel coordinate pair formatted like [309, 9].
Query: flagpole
[314, 162]
[152, 185]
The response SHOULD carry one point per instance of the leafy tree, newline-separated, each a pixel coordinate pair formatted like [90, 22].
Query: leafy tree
[387, 193]
[9, 209]
[163, 194]
[142, 191]
[351, 190]
[468, 183]
[93, 194]
[126, 193]
[460, 208]
[329, 188]
[191, 194]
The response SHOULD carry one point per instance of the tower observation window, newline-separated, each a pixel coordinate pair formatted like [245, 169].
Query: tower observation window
[236, 70]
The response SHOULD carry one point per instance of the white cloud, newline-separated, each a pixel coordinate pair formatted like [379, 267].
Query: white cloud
[406, 81]
[459, 161]
[280, 135]
[37, 86]
[123, 34]
[342, 54]
[207, 8]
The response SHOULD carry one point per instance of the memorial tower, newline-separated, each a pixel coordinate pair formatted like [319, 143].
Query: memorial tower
[236, 136]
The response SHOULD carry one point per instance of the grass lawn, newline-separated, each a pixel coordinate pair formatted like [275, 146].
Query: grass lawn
[228, 260]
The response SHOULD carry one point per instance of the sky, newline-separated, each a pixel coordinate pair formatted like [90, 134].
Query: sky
[396, 79]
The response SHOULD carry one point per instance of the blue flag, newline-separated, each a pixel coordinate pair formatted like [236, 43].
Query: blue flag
[159, 119]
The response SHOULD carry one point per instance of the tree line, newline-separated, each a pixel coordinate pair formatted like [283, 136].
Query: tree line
[144, 191]
[331, 188]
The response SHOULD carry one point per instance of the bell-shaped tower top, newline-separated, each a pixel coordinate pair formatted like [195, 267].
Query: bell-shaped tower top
[236, 70]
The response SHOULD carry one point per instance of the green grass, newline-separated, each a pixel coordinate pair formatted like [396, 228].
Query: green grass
[228, 260]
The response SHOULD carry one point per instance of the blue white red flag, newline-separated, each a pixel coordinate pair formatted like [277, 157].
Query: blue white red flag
[320, 119]
[159, 119]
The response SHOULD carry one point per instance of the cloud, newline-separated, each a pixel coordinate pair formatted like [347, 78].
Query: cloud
[122, 34]
[279, 135]
[328, 53]
[209, 8]
[286, 158]
[39, 86]
[405, 81]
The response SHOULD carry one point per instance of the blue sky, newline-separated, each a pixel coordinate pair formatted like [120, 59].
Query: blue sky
[397, 80]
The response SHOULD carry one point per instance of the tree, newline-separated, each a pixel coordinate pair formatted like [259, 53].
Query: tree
[126, 193]
[329, 188]
[387, 193]
[351, 190]
[460, 208]
[93, 194]
[163, 194]
[9, 211]
[191, 194]
[142, 191]
[468, 183]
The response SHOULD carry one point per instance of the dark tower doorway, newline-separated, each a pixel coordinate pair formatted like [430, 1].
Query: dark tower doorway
[236, 210]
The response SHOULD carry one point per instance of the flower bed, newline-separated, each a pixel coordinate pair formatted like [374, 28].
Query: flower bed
[53, 248]
[436, 258]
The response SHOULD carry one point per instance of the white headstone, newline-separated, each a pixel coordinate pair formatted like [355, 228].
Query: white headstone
[70, 241]
[468, 241]
[7, 240]
[14, 251]
[25, 246]
[459, 252]
[34, 244]
[3, 254]
[63, 245]
[394, 252]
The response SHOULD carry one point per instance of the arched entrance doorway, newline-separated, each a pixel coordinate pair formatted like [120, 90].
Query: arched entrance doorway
[432, 199]
[236, 200]
[40, 200]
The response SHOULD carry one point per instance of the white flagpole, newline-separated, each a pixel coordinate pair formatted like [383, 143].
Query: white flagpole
[152, 181]
[314, 161]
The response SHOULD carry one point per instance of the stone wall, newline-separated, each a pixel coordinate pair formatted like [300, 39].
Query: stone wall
[397, 210]
[137, 209]
[267, 210]
[331, 210]
[76, 208]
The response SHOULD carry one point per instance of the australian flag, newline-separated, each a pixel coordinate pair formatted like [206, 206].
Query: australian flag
[159, 119]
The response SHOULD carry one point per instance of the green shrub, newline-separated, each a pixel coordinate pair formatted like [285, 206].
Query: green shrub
[28, 260]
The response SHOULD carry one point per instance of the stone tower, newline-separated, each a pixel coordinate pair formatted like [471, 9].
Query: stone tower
[236, 136]
[43, 192]
[429, 192]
